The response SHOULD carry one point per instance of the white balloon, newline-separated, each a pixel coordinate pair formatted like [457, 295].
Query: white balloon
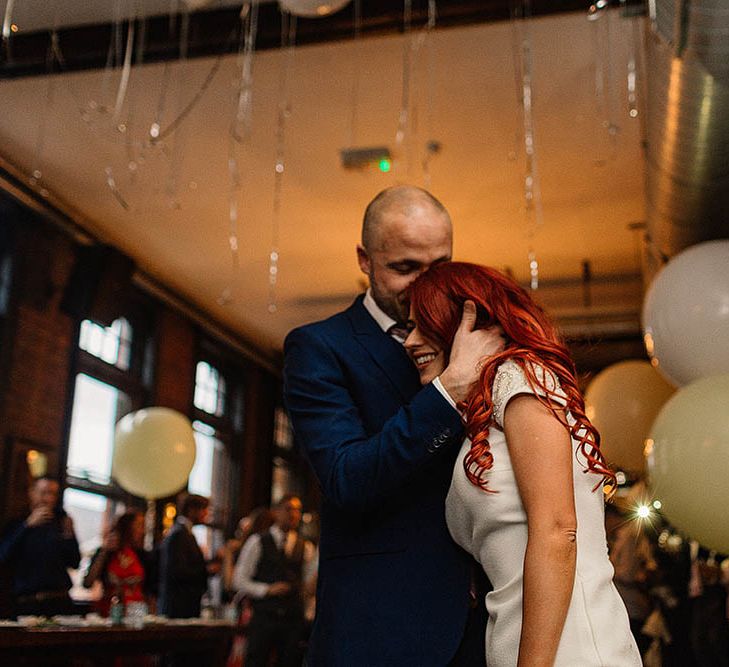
[312, 8]
[154, 451]
[686, 314]
[688, 460]
[622, 401]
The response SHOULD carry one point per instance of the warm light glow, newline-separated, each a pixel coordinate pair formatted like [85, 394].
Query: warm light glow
[323, 10]
[648, 447]
[648, 342]
[13, 27]
[643, 511]
[657, 504]
[32, 456]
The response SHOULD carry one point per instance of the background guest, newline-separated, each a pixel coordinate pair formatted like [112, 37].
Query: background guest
[121, 564]
[39, 550]
[183, 575]
[257, 521]
[275, 569]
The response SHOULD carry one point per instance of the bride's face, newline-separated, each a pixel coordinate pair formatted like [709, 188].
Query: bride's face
[428, 357]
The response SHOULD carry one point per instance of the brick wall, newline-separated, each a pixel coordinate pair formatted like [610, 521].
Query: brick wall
[175, 376]
[36, 383]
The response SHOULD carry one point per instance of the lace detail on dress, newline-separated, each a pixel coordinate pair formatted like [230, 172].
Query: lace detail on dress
[510, 380]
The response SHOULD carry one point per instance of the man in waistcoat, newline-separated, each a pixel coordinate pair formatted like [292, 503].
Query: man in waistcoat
[276, 568]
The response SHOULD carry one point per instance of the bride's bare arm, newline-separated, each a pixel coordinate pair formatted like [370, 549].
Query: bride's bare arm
[541, 456]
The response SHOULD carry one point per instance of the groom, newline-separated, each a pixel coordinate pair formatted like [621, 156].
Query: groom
[393, 588]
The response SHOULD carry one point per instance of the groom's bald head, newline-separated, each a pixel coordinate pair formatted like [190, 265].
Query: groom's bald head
[399, 200]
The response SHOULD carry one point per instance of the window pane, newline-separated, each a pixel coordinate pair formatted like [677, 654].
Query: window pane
[201, 475]
[212, 473]
[209, 389]
[111, 344]
[97, 407]
[282, 434]
[283, 480]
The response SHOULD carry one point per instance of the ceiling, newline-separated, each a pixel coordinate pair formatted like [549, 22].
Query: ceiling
[463, 87]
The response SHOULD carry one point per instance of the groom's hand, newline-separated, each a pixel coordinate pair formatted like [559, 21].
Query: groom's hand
[470, 348]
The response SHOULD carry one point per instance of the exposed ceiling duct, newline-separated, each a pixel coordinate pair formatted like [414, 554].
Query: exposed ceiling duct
[687, 127]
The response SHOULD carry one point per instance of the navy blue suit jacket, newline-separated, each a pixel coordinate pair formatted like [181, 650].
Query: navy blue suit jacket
[393, 587]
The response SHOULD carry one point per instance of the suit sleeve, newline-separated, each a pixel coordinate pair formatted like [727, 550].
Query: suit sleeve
[357, 471]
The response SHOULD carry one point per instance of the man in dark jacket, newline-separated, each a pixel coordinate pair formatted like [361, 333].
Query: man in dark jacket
[183, 574]
[39, 550]
[393, 588]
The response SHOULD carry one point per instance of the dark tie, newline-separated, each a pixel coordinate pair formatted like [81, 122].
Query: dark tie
[399, 332]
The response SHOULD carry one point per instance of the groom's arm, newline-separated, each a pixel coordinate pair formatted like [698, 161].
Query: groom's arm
[356, 470]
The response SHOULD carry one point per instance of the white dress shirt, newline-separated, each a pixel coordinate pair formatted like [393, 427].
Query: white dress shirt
[247, 563]
[384, 321]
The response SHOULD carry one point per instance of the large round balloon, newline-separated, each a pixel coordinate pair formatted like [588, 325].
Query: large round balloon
[688, 461]
[154, 451]
[622, 401]
[312, 8]
[686, 314]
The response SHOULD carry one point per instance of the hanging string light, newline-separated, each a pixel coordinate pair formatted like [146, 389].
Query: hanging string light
[288, 41]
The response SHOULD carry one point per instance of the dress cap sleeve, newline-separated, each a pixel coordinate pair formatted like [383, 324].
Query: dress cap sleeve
[511, 381]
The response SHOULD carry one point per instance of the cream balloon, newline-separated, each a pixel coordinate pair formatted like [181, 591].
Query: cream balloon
[686, 314]
[688, 461]
[312, 8]
[622, 401]
[154, 451]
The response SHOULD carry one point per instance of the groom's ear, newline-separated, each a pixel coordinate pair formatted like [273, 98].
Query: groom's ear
[363, 259]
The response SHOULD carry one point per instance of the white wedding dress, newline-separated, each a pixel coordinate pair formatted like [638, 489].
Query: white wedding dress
[493, 528]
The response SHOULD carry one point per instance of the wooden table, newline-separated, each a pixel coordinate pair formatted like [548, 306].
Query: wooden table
[203, 645]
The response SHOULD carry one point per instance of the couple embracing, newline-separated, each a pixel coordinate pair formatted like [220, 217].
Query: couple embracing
[441, 415]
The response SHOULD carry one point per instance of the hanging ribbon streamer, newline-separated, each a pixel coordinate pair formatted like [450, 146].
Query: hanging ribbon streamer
[288, 41]
[432, 146]
[532, 192]
[178, 138]
[240, 129]
[8, 28]
[356, 73]
[36, 171]
[599, 16]
[121, 92]
[403, 120]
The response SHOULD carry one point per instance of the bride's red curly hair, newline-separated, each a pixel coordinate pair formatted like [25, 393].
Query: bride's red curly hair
[437, 298]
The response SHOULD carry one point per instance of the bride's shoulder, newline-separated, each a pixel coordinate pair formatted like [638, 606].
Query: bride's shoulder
[511, 379]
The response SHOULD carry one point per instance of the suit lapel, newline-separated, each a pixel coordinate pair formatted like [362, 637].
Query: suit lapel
[385, 352]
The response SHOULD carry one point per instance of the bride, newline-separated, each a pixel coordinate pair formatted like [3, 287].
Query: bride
[526, 498]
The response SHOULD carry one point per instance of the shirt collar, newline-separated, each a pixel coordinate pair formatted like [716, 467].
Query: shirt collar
[384, 321]
[279, 537]
[184, 521]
